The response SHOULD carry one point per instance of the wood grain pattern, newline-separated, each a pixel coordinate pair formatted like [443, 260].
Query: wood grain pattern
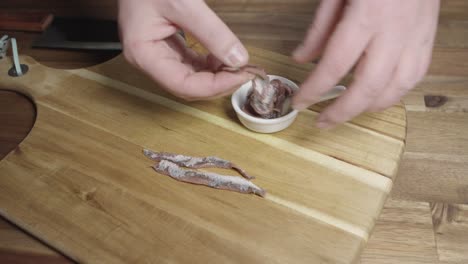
[12, 257]
[99, 122]
[403, 234]
[451, 229]
[12, 240]
[435, 161]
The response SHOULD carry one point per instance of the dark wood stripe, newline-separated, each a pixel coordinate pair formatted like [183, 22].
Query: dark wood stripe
[14, 257]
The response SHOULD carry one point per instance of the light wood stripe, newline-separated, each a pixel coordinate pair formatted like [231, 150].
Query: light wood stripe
[416, 108]
[370, 178]
[366, 130]
[437, 156]
[320, 216]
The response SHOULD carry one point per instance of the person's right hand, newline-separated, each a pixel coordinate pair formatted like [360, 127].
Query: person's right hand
[388, 41]
[148, 31]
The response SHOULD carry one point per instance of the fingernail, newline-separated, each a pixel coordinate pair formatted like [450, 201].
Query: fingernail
[237, 56]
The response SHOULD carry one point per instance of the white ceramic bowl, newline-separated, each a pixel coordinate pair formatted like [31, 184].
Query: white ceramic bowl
[276, 124]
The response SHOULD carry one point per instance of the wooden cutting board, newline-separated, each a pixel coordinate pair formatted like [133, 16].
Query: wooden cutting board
[80, 183]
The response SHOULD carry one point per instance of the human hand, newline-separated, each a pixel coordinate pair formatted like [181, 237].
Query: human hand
[148, 31]
[389, 41]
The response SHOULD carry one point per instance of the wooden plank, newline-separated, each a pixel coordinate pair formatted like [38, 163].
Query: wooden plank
[432, 177]
[449, 62]
[453, 9]
[435, 162]
[276, 6]
[403, 234]
[442, 132]
[30, 258]
[452, 33]
[82, 192]
[452, 88]
[392, 124]
[451, 229]
[268, 25]
[437, 146]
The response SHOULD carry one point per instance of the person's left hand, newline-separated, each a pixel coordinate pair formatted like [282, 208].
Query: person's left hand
[148, 30]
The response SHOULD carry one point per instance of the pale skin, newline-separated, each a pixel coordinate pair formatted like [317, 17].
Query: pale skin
[388, 42]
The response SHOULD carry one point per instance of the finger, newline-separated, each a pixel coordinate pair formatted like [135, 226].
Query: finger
[403, 80]
[326, 17]
[213, 85]
[213, 63]
[412, 67]
[198, 19]
[414, 62]
[180, 79]
[372, 75]
[343, 50]
[142, 22]
[190, 57]
[185, 54]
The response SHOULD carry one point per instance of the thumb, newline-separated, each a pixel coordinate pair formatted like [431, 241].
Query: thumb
[200, 21]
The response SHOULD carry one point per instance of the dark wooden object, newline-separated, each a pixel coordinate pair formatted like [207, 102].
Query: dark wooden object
[25, 20]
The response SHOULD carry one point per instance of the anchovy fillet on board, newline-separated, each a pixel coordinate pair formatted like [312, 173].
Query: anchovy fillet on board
[195, 162]
[214, 180]
[173, 165]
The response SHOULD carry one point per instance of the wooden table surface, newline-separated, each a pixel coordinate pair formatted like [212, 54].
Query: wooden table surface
[426, 221]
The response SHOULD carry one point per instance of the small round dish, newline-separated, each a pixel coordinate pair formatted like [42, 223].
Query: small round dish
[259, 124]
[276, 124]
